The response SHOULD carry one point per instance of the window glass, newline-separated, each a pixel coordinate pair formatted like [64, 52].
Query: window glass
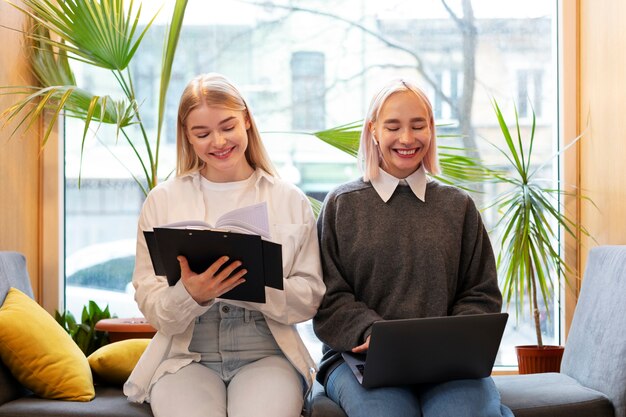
[305, 66]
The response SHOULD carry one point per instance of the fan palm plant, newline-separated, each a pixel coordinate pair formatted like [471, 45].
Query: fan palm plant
[529, 258]
[104, 34]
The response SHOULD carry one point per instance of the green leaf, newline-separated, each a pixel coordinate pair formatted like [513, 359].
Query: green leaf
[85, 334]
[102, 33]
[344, 137]
[99, 32]
[169, 51]
[316, 205]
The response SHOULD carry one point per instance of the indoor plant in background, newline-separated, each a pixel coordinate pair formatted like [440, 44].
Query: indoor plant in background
[104, 34]
[84, 333]
[529, 259]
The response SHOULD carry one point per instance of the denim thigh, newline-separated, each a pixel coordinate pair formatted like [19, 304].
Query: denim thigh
[229, 337]
[343, 388]
[463, 398]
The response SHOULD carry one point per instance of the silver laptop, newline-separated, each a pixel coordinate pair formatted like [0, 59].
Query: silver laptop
[429, 350]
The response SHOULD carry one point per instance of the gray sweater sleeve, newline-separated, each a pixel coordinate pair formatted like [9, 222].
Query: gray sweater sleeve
[342, 322]
[477, 290]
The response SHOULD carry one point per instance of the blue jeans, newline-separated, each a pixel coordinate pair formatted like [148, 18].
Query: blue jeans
[229, 337]
[464, 398]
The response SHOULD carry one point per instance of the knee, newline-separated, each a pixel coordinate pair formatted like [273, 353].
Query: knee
[381, 402]
[462, 398]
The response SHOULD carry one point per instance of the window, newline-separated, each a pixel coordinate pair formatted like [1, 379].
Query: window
[308, 68]
[448, 84]
[308, 91]
[529, 89]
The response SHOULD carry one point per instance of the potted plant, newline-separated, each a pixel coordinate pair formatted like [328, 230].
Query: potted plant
[529, 260]
[84, 333]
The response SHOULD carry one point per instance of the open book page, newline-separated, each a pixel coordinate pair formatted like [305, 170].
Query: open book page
[240, 235]
[189, 224]
[249, 220]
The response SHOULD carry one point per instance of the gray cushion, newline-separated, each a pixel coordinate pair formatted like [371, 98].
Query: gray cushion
[10, 389]
[551, 395]
[109, 402]
[321, 406]
[13, 273]
[595, 351]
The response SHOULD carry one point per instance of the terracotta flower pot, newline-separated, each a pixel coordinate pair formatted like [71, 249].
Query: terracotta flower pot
[532, 359]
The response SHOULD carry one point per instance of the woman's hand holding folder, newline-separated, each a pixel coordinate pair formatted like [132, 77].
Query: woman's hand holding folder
[214, 281]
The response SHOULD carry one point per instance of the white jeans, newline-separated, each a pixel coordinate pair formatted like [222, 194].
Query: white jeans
[242, 372]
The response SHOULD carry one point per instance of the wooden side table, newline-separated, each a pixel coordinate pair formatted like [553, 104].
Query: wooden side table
[126, 328]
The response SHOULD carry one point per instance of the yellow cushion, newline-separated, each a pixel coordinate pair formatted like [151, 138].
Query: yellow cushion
[40, 353]
[114, 362]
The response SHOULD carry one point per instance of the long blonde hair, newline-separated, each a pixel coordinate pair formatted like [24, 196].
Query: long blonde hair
[369, 157]
[215, 90]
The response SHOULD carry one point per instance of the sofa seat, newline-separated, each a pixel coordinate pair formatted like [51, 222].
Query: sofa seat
[551, 395]
[16, 401]
[109, 402]
[319, 405]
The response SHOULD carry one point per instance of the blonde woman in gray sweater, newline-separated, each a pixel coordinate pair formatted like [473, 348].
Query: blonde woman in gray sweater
[397, 244]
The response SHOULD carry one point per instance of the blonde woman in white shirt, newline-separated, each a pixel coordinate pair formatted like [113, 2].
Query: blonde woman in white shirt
[213, 357]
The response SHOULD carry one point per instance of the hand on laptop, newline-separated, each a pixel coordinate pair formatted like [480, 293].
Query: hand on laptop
[362, 348]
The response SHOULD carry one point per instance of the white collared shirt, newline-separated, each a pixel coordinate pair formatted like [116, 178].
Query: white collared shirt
[385, 184]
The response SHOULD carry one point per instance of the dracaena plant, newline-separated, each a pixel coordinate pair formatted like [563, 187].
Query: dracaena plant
[530, 218]
[104, 34]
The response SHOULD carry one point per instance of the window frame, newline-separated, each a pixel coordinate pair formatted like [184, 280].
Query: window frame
[52, 228]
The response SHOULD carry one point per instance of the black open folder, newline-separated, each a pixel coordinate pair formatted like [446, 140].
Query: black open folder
[262, 259]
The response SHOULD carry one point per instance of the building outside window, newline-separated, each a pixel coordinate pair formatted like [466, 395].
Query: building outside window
[529, 91]
[308, 91]
[449, 83]
[305, 66]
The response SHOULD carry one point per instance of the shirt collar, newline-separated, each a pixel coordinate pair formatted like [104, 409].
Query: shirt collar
[259, 173]
[385, 184]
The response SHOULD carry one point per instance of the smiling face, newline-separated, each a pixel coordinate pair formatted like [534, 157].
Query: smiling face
[219, 138]
[403, 132]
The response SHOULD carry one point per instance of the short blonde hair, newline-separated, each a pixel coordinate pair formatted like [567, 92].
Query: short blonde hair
[369, 158]
[215, 90]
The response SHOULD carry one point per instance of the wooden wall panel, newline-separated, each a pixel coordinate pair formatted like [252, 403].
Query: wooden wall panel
[20, 166]
[602, 112]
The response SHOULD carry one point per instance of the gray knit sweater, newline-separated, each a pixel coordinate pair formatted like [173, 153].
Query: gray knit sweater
[400, 259]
